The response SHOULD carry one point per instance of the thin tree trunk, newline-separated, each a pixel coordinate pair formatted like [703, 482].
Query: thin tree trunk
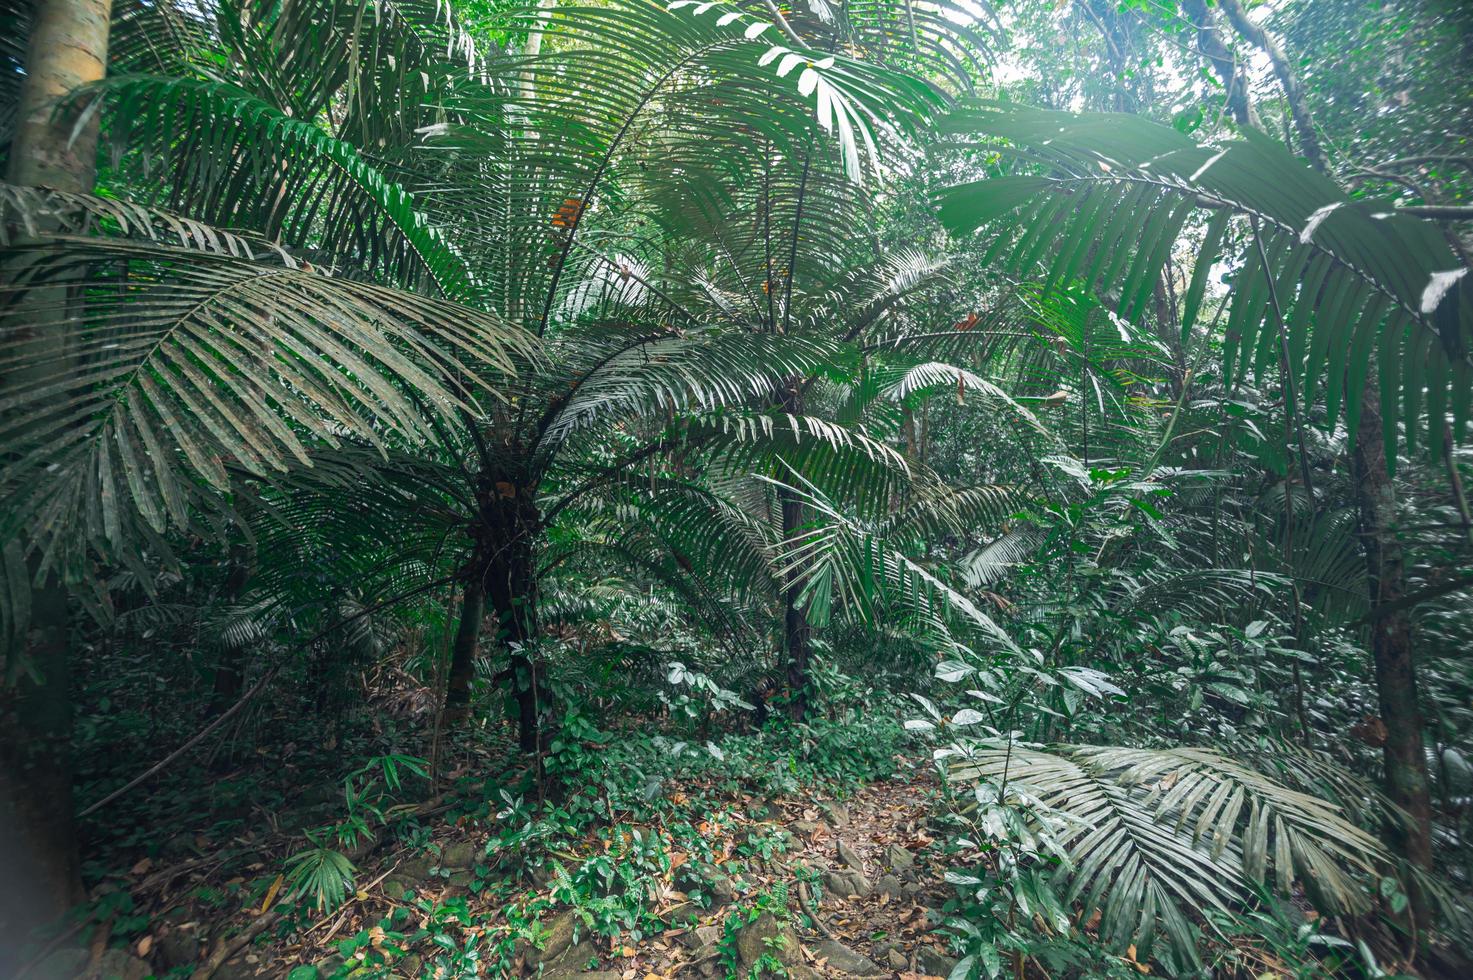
[797, 633]
[507, 583]
[1391, 627]
[39, 860]
[796, 629]
[1229, 71]
[463, 650]
[229, 679]
[1391, 645]
[1309, 141]
[514, 597]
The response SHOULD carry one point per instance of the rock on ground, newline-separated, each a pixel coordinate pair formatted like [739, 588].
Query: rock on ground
[935, 963]
[841, 957]
[849, 856]
[768, 936]
[846, 884]
[898, 859]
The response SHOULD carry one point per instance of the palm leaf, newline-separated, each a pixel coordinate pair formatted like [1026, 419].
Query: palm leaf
[174, 365]
[235, 160]
[1352, 279]
[1156, 835]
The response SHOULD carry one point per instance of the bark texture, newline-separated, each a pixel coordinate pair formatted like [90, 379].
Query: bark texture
[67, 49]
[39, 862]
[1391, 642]
[797, 633]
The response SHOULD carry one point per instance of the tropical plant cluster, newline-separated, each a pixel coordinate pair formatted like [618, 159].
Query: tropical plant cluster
[558, 418]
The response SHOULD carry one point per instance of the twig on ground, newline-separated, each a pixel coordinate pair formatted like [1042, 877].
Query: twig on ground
[811, 907]
[226, 948]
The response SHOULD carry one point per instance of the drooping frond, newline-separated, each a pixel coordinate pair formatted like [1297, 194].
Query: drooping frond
[1157, 835]
[696, 373]
[637, 102]
[933, 511]
[999, 557]
[1197, 591]
[935, 376]
[235, 160]
[847, 464]
[1325, 282]
[839, 559]
[362, 523]
[712, 539]
[168, 366]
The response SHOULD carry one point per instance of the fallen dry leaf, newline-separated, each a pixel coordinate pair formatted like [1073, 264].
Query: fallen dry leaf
[271, 892]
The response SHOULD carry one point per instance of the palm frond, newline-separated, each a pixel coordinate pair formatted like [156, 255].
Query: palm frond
[1157, 835]
[667, 374]
[235, 160]
[634, 101]
[1327, 280]
[169, 366]
[836, 557]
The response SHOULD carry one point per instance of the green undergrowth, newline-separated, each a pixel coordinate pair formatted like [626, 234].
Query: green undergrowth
[632, 831]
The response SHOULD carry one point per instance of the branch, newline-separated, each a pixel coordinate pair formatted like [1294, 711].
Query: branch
[1210, 45]
[226, 948]
[1439, 212]
[256, 688]
[1417, 598]
[1309, 142]
[1464, 161]
[194, 740]
[782, 23]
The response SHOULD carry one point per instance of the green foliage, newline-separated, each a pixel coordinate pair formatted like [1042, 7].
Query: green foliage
[609, 368]
[321, 874]
[1324, 282]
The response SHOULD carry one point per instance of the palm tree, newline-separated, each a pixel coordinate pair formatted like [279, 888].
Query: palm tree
[180, 359]
[510, 184]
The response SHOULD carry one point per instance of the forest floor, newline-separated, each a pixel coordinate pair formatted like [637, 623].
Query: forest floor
[820, 885]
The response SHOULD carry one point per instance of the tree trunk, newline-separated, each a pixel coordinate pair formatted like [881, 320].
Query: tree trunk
[67, 49]
[1391, 645]
[1403, 752]
[796, 629]
[797, 633]
[513, 593]
[463, 651]
[229, 679]
[506, 579]
[39, 860]
[1229, 71]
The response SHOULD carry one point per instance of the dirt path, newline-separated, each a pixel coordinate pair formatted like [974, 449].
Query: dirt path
[876, 886]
